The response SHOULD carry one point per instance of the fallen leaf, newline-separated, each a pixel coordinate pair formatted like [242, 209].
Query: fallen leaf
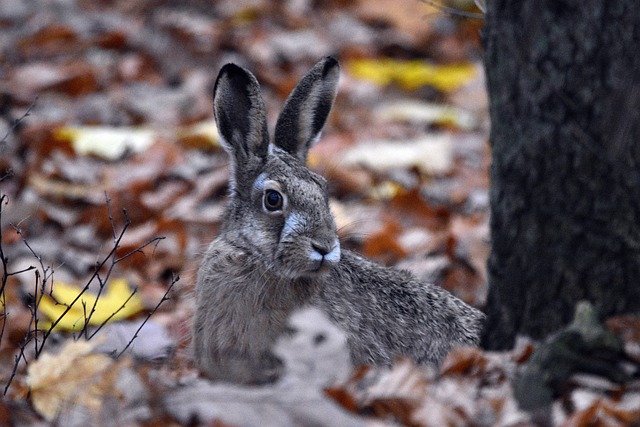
[74, 79]
[111, 40]
[72, 377]
[383, 245]
[394, 393]
[203, 135]
[407, 16]
[59, 190]
[107, 142]
[464, 361]
[50, 40]
[426, 112]
[430, 154]
[412, 74]
[413, 209]
[113, 300]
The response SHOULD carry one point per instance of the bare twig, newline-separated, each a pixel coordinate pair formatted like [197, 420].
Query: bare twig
[164, 298]
[44, 275]
[5, 273]
[117, 238]
[124, 304]
[4, 262]
[19, 356]
[7, 174]
[47, 275]
[17, 121]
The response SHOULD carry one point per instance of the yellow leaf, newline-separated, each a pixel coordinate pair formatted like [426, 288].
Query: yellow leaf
[110, 301]
[412, 74]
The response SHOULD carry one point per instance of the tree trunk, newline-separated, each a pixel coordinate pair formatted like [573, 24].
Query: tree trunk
[564, 86]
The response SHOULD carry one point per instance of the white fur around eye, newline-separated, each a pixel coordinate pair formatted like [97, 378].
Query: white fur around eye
[294, 224]
[260, 182]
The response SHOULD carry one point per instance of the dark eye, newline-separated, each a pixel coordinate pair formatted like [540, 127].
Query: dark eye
[272, 200]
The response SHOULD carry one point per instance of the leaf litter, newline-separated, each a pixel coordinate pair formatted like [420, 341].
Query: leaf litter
[124, 108]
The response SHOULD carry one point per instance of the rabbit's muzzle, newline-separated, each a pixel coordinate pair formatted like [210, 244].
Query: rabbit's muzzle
[324, 255]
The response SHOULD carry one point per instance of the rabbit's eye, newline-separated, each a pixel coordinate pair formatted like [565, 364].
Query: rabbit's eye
[272, 200]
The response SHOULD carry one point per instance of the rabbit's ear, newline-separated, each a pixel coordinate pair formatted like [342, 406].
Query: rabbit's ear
[240, 116]
[307, 108]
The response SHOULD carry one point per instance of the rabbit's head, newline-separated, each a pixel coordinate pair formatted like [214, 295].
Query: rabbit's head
[279, 208]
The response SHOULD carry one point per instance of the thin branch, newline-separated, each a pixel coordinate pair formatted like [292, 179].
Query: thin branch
[95, 274]
[135, 290]
[114, 259]
[17, 121]
[165, 297]
[15, 366]
[140, 248]
[34, 313]
[44, 275]
[15, 273]
[7, 174]
[101, 287]
[3, 281]
[4, 314]
[3, 259]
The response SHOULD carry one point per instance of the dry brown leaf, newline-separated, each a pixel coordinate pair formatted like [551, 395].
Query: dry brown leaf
[388, 393]
[589, 417]
[383, 245]
[464, 361]
[116, 39]
[51, 40]
[74, 78]
[41, 140]
[137, 66]
[72, 377]
[522, 351]
[406, 15]
[626, 416]
[398, 393]
[343, 397]
[413, 209]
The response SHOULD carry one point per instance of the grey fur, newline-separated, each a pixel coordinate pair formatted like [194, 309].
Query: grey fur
[265, 264]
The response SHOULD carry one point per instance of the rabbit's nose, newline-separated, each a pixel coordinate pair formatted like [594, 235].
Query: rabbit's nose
[326, 251]
[322, 249]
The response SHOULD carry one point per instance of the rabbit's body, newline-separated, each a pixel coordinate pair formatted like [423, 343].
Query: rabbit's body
[241, 310]
[387, 313]
[278, 250]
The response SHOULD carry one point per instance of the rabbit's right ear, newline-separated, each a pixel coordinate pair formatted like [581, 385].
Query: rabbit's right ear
[241, 119]
[307, 108]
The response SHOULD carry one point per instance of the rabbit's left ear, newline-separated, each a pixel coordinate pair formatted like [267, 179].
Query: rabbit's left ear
[307, 108]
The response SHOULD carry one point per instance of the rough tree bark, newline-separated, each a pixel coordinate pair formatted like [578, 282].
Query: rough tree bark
[564, 87]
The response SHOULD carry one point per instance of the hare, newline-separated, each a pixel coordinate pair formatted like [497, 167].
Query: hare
[278, 250]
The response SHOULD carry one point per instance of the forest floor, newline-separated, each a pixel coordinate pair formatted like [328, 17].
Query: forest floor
[113, 182]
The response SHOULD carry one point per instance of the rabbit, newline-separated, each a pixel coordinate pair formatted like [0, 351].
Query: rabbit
[278, 250]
